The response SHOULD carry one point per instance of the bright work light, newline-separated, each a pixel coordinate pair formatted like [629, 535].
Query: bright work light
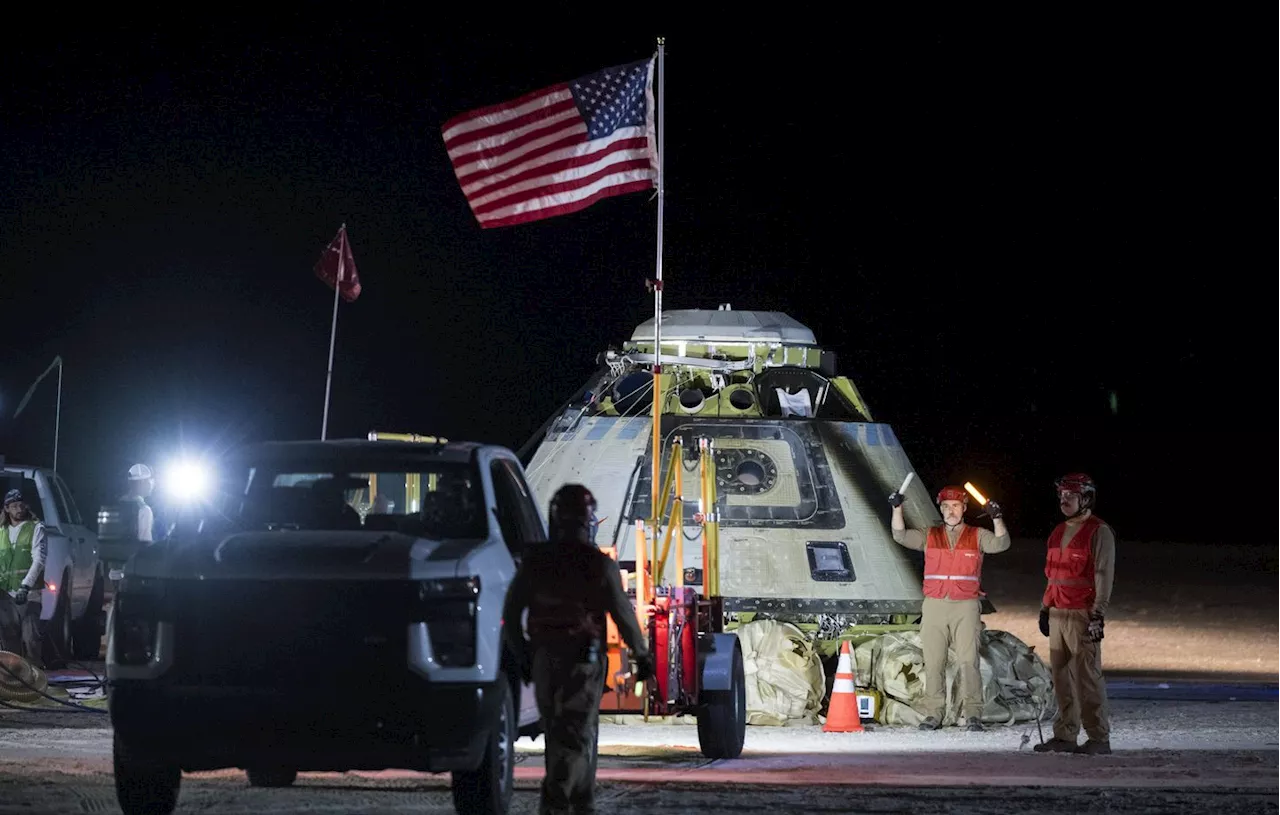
[188, 481]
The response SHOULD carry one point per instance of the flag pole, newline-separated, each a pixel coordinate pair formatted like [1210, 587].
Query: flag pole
[333, 331]
[57, 417]
[655, 512]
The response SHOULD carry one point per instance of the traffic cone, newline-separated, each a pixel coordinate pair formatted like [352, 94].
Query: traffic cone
[842, 713]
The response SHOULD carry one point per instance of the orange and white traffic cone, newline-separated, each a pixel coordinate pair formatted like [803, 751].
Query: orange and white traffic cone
[842, 713]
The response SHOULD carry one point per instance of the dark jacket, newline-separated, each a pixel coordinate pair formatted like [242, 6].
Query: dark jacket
[568, 587]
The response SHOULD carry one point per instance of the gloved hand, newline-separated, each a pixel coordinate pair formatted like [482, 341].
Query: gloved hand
[896, 498]
[20, 596]
[646, 668]
[994, 511]
[1044, 621]
[1094, 631]
[525, 664]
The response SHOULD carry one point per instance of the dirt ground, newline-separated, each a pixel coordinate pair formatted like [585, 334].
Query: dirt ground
[351, 796]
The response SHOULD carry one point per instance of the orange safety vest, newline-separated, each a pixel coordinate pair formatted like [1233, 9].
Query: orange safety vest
[1071, 570]
[952, 574]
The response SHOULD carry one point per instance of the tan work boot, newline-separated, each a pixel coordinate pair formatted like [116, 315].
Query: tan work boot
[1095, 748]
[1056, 745]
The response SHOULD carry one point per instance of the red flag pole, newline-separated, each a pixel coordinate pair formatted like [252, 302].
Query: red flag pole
[655, 512]
[333, 332]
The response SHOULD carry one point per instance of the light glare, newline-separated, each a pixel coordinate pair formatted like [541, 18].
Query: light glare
[189, 481]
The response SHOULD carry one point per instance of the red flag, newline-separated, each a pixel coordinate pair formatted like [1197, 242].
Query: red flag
[559, 149]
[337, 263]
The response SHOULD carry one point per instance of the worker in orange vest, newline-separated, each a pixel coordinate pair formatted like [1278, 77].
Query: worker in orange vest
[951, 612]
[1079, 567]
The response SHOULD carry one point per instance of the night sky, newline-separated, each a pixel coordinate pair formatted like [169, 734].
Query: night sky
[1034, 249]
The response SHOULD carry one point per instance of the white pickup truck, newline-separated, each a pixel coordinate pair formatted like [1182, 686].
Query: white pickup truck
[72, 594]
[336, 605]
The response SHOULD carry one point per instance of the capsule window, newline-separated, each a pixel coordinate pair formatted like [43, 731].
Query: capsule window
[829, 561]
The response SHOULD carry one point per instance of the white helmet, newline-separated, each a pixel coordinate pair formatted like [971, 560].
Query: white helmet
[139, 472]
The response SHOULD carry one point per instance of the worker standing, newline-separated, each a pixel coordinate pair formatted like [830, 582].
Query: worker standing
[951, 612]
[141, 484]
[1079, 569]
[24, 546]
[568, 585]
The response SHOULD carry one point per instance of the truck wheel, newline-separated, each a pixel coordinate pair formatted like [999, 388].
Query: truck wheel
[271, 777]
[86, 633]
[144, 786]
[487, 789]
[722, 723]
[56, 642]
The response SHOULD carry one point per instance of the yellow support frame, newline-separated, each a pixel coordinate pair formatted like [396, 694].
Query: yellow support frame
[675, 471]
[710, 520]
[642, 576]
[650, 577]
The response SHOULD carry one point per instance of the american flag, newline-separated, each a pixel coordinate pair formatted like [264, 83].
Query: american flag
[559, 149]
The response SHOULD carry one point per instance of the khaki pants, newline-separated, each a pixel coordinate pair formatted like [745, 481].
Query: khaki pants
[1077, 677]
[954, 623]
[568, 693]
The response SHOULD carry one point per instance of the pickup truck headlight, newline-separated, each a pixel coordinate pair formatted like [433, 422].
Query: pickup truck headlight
[448, 606]
[449, 588]
[137, 613]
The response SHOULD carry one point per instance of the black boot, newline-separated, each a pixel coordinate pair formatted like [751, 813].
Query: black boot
[1055, 745]
[1095, 748]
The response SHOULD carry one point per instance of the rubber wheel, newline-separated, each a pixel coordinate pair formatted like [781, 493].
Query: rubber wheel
[144, 786]
[271, 777]
[487, 789]
[722, 723]
[56, 642]
[86, 633]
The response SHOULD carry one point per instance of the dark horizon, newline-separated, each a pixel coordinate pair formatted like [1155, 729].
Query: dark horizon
[1032, 256]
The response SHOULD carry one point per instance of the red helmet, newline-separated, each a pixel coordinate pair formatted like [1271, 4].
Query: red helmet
[953, 493]
[1080, 484]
